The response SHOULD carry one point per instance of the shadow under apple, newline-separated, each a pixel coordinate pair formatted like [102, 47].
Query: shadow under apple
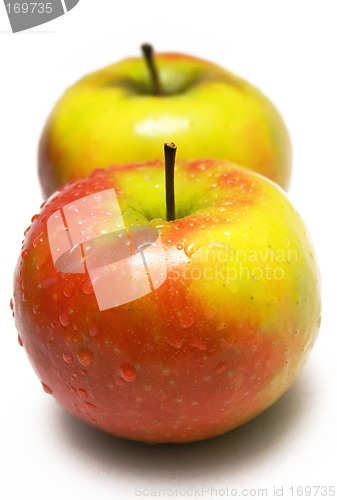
[225, 455]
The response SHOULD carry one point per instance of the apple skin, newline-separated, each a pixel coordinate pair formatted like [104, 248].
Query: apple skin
[110, 117]
[203, 353]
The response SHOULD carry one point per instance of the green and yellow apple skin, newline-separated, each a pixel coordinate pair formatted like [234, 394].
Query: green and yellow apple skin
[217, 343]
[111, 116]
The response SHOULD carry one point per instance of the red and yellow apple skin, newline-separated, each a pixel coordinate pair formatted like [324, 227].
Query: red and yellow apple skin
[111, 116]
[217, 343]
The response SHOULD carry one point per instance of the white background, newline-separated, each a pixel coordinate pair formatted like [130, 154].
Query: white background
[289, 50]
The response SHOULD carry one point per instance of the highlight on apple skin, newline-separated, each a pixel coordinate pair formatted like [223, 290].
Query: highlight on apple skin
[120, 113]
[216, 310]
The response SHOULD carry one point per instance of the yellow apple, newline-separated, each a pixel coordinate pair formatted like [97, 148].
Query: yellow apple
[115, 115]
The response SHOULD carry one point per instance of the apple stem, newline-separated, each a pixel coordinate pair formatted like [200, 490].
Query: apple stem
[170, 150]
[148, 54]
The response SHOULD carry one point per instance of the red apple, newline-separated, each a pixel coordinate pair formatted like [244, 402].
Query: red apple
[164, 331]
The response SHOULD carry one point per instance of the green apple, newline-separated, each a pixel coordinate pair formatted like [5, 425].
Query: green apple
[230, 313]
[118, 115]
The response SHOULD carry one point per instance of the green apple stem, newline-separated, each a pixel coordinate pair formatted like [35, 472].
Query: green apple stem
[170, 150]
[148, 54]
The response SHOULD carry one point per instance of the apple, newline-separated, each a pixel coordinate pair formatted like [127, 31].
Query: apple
[171, 330]
[119, 113]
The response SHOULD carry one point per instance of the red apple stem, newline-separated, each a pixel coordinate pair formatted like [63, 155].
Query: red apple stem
[148, 55]
[170, 150]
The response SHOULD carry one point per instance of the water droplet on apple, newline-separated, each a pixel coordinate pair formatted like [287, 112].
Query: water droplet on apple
[180, 246]
[64, 318]
[91, 406]
[119, 380]
[93, 330]
[24, 254]
[128, 372]
[159, 223]
[68, 290]
[46, 388]
[20, 341]
[186, 320]
[221, 367]
[209, 314]
[82, 393]
[87, 288]
[191, 249]
[176, 343]
[199, 344]
[39, 263]
[47, 283]
[36, 309]
[85, 357]
[11, 305]
[67, 357]
[37, 240]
